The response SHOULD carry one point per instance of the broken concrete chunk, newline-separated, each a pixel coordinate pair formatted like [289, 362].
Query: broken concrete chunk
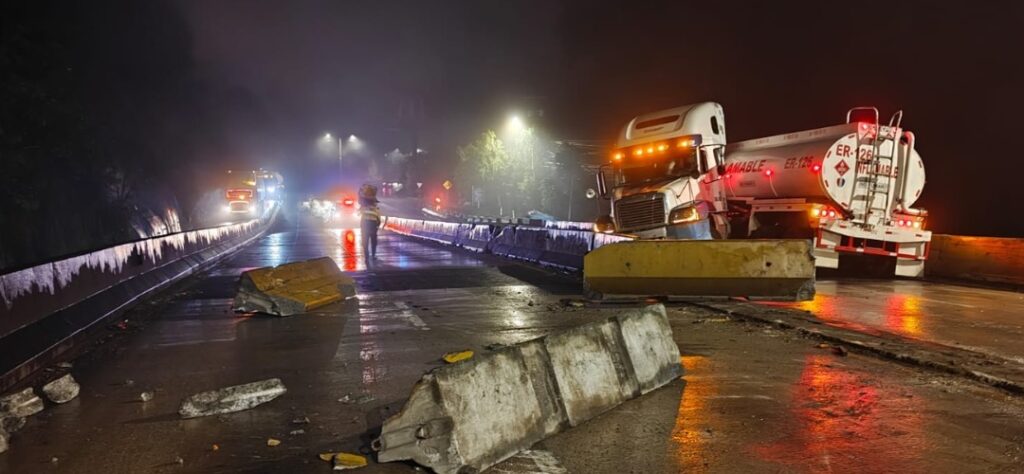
[146, 396]
[231, 399]
[273, 442]
[61, 390]
[21, 404]
[3, 441]
[11, 424]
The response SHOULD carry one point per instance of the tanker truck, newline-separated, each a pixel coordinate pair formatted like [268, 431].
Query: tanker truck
[848, 188]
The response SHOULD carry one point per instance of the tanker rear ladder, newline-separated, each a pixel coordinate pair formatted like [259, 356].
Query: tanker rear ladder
[872, 174]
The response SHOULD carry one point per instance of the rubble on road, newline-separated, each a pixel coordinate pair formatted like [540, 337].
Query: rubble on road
[20, 404]
[346, 461]
[231, 399]
[348, 398]
[3, 442]
[61, 390]
[273, 442]
[146, 396]
[458, 356]
[297, 432]
[301, 420]
[11, 424]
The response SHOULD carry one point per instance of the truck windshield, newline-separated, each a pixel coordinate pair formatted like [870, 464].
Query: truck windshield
[647, 170]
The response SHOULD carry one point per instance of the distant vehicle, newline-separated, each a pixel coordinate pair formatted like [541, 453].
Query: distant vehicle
[240, 201]
[849, 188]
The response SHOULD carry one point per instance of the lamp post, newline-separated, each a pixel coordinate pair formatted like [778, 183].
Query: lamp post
[352, 139]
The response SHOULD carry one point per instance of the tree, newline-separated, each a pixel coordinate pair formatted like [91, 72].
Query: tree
[483, 164]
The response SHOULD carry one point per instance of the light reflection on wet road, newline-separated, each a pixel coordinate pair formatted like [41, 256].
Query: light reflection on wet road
[980, 319]
[752, 402]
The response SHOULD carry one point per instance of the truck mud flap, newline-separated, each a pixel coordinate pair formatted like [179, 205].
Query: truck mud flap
[757, 269]
[473, 414]
[293, 288]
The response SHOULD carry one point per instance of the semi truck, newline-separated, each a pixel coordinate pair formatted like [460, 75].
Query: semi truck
[849, 188]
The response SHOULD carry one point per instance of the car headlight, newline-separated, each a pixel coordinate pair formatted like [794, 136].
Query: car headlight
[682, 215]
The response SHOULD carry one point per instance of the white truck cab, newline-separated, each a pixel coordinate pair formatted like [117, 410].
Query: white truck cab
[661, 186]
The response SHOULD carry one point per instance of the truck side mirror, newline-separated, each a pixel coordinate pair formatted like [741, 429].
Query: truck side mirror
[602, 185]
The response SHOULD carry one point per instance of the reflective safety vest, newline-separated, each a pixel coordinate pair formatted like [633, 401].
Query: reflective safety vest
[370, 213]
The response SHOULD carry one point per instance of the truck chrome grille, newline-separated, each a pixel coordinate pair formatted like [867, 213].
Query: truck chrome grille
[639, 212]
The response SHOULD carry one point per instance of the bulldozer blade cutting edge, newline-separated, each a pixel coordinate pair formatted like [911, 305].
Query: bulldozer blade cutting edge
[758, 269]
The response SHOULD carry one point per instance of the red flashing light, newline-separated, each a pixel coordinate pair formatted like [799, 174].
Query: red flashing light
[815, 168]
[348, 201]
[831, 213]
[437, 200]
[768, 173]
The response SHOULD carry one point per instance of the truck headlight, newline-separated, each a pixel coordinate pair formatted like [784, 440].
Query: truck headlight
[682, 215]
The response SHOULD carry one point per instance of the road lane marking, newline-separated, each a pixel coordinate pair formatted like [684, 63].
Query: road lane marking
[410, 315]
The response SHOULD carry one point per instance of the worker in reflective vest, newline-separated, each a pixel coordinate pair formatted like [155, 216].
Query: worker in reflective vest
[369, 220]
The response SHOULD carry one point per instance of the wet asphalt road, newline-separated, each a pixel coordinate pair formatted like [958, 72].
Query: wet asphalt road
[979, 319]
[753, 399]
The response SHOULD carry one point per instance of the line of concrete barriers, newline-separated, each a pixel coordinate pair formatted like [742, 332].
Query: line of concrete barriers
[563, 244]
[558, 244]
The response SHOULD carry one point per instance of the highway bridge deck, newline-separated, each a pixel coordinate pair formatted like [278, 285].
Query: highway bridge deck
[754, 398]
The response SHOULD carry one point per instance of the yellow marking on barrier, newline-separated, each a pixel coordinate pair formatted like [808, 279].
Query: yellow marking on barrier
[299, 286]
[754, 268]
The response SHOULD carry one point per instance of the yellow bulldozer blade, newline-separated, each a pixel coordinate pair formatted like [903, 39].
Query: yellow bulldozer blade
[757, 269]
[293, 288]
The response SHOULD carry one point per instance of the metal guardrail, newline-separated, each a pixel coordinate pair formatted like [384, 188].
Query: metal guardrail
[44, 306]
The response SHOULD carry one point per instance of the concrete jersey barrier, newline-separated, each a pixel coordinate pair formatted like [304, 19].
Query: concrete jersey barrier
[986, 259]
[43, 307]
[471, 415]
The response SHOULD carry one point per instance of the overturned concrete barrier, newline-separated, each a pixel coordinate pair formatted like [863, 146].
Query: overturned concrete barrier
[471, 415]
[293, 288]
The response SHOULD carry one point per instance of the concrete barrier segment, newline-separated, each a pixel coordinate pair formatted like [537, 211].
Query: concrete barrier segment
[763, 269]
[468, 416]
[293, 288]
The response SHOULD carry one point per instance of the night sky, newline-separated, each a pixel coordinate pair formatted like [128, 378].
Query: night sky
[273, 76]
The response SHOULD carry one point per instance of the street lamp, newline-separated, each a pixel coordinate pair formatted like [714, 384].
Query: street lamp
[352, 140]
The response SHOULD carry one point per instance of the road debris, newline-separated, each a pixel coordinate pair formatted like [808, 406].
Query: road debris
[571, 303]
[345, 461]
[20, 404]
[61, 390]
[297, 432]
[453, 357]
[11, 424]
[146, 396]
[293, 288]
[64, 365]
[177, 460]
[326, 456]
[348, 398]
[839, 351]
[494, 346]
[273, 442]
[301, 421]
[129, 382]
[215, 447]
[231, 399]
[3, 442]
